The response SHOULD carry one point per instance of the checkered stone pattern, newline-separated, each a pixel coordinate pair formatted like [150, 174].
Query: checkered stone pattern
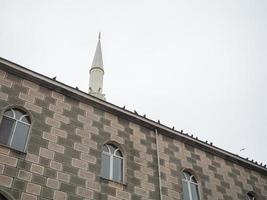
[63, 157]
[217, 178]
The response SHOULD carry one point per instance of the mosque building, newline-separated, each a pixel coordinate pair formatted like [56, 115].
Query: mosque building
[57, 142]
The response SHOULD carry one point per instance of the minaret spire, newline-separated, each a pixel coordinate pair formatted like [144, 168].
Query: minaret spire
[97, 72]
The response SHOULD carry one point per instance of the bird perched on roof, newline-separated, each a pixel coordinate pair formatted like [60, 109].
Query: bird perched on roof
[54, 78]
[135, 112]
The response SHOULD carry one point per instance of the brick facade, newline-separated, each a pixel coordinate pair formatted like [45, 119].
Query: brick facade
[63, 156]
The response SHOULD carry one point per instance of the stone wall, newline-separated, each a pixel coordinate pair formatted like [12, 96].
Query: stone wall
[63, 156]
[218, 179]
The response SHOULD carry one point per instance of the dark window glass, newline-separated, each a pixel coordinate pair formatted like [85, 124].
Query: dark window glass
[2, 197]
[14, 129]
[117, 169]
[193, 179]
[9, 113]
[194, 191]
[18, 114]
[185, 191]
[20, 136]
[250, 196]
[118, 153]
[105, 148]
[26, 119]
[112, 163]
[5, 130]
[112, 148]
[105, 166]
[186, 175]
[190, 187]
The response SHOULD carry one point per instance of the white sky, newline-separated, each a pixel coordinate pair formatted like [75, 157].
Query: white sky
[200, 66]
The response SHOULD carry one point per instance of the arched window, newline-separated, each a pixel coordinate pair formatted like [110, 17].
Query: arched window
[14, 129]
[112, 163]
[250, 196]
[190, 186]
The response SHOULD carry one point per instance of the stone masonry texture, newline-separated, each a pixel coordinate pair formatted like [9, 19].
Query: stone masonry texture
[63, 155]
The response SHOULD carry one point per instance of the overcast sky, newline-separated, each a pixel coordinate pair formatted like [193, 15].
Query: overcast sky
[200, 66]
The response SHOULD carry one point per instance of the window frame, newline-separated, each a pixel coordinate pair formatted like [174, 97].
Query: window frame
[14, 126]
[111, 161]
[192, 180]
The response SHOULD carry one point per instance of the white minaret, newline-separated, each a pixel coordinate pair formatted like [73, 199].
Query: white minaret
[97, 73]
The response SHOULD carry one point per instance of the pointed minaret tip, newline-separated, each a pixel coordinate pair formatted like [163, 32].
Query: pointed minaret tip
[97, 72]
[98, 61]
